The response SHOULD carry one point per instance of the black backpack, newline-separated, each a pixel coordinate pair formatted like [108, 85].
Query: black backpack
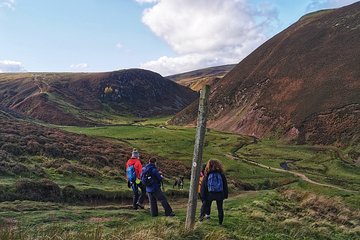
[147, 178]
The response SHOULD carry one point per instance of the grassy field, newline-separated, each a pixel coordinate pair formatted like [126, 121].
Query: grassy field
[323, 164]
[284, 214]
[177, 143]
[281, 207]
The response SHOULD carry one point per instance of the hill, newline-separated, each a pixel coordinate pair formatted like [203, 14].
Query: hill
[87, 98]
[198, 78]
[36, 161]
[302, 84]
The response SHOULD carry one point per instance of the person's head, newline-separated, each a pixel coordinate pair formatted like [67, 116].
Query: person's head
[152, 160]
[135, 153]
[213, 165]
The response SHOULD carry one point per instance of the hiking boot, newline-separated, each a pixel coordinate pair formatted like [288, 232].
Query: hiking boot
[201, 218]
[140, 205]
[172, 214]
[207, 217]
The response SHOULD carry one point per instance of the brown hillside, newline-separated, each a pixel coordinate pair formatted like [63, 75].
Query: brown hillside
[302, 84]
[83, 98]
[198, 78]
[20, 139]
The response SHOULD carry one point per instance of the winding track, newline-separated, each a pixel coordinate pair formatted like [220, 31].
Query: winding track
[300, 175]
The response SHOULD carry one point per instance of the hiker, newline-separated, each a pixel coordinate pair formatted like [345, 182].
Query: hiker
[214, 188]
[152, 179]
[203, 205]
[133, 171]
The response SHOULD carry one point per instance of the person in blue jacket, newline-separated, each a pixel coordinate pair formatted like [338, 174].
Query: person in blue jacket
[152, 179]
[214, 188]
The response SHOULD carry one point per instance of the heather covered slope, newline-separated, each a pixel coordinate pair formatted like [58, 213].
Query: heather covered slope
[40, 163]
[85, 98]
[302, 84]
[198, 78]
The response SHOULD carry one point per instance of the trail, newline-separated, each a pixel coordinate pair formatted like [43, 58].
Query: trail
[38, 84]
[297, 174]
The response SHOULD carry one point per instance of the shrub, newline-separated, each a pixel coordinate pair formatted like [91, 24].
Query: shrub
[71, 194]
[43, 190]
[56, 163]
[19, 169]
[33, 147]
[97, 161]
[79, 170]
[53, 150]
[12, 148]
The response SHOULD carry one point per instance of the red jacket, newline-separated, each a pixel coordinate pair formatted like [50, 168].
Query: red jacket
[137, 165]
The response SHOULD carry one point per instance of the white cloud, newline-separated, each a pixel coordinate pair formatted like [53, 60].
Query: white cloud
[147, 1]
[119, 45]
[206, 33]
[79, 66]
[323, 4]
[11, 66]
[8, 3]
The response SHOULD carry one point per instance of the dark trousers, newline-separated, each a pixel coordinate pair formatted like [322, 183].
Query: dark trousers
[138, 198]
[158, 196]
[219, 204]
[203, 209]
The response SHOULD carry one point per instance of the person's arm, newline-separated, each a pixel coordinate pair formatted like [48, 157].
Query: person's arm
[225, 186]
[157, 175]
[138, 169]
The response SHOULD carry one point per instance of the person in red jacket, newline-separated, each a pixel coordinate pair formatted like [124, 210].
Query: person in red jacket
[133, 170]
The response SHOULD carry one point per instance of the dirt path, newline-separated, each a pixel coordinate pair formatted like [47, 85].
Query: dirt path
[300, 175]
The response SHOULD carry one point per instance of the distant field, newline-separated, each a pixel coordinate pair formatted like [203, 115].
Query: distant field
[318, 163]
[177, 143]
[321, 163]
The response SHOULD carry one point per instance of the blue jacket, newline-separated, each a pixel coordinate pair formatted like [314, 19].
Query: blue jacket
[156, 185]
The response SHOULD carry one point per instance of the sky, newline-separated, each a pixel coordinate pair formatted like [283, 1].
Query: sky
[165, 36]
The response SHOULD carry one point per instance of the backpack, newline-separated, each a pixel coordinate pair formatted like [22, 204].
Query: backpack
[147, 178]
[215, 182]
[130, 172]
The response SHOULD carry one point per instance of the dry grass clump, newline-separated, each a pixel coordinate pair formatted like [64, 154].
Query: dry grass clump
[258, 215]
[322, 210]
[293, 222]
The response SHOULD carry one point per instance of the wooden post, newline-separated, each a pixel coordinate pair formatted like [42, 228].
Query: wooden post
[197, 158]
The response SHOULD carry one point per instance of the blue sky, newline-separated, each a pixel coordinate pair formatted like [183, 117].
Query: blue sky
[166, 36]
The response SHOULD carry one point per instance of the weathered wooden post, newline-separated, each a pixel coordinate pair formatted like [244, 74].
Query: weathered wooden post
[197, 158]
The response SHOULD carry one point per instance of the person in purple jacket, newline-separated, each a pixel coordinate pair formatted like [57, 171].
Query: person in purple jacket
[152, 179]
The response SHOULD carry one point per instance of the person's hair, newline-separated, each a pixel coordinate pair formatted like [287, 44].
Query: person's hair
[213, 165]
[152, 160]
[203, 168]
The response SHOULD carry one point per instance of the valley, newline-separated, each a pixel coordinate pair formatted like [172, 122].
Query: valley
[97, 206]
[284, 123]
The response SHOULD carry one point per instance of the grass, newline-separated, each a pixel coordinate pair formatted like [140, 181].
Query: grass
[295, 210]
[174, 142]
[177, 143]
[322, 163]
[271, 214]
